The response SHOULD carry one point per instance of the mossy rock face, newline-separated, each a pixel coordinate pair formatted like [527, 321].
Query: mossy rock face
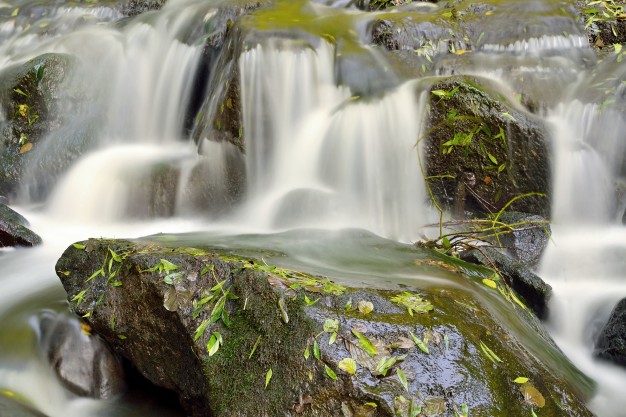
[14, 229]
[29, 95]
[283, 335]
[481, 152]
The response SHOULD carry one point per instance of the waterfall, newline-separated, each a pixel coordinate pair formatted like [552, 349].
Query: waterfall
[320, 157]
[330, 129]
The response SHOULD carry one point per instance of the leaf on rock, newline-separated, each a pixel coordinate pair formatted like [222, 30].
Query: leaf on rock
[330, 373]
[412, 302]
[26, 147]
[348, 365]
[365, 343]
[532, 395]
[365, 307]
[268, 377]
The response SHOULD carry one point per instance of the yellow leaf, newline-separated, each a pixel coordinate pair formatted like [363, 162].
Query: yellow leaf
[85, 329]
[22, 109]
[348, 365]
[488, 12]
[365, 307]
[26, 147]
[532, 395]
[490, 283]
[520, 380]
[462, 51]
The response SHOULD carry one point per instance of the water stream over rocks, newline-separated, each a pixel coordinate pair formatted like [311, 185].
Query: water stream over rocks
[251, 120]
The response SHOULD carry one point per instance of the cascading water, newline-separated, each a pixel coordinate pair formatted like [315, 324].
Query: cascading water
[320, 153]
[320, 157]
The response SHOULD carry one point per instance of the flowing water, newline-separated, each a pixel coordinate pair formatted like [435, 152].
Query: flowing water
[330, 126]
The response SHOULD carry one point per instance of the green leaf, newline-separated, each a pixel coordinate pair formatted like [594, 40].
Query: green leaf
[412, 302]
[307, 352]
[490, 283]
[15, 12]
[79, 297]
[464, 409]
[365, 343]
[79, 246]
[116, 284]
[502, 167]
[331, 325]
[348, 365]
[420, 344]
[330, 373]
[256, 344]
[508, 116]
[39, 71]
[490, 353]
[168, 266]
[440, 93]
[316, 350]
[617, 47]
[95, 274]
[492, 158]
[403, 379]
[268, 377]
[115, 256]
[200, 330]
[309, 302]
[532, 413]
[214, 343]
[332, 338]
[384, 364]
[445, 242]
[373, 405]
[520, 380]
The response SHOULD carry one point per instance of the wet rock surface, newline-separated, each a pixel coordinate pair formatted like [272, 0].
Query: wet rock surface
[83, 362]
[611, 343]
[528, 239]
[224, 330]
[14, 229]
[29, 95]
[535, 292]
[482, 152]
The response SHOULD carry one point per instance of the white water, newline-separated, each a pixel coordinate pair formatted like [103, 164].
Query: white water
[319, 157]
[316, 157]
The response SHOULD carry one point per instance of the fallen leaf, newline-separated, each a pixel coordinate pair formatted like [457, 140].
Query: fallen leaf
[26, 147]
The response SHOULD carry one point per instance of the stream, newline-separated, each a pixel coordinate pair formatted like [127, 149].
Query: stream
[330, 173]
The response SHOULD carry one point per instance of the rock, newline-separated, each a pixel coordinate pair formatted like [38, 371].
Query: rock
[29, 96]
[10, 407]
[611, 343]
[224, 331]
[527, 241]
[482, 152]
[535, 292]
[602, 25]
[82, 361]
[14, 230]
[132, 8]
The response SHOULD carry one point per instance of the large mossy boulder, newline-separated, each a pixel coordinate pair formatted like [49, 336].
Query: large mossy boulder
[234, 336]
[14, 229]
[481, 153]
[29, 97]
